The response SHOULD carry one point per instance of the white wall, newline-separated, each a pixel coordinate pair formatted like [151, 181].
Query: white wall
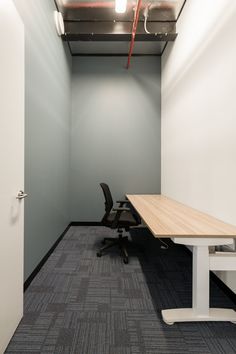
[199, 112]
[116, 131]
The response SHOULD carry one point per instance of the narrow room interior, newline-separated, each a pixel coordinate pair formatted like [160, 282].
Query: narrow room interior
[118, 173]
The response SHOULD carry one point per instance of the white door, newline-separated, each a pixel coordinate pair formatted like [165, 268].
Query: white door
[11, 169]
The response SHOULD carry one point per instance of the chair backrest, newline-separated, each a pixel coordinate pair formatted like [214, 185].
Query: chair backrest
[108, 197]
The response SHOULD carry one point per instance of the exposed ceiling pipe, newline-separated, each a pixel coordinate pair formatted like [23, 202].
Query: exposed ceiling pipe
[134, 30]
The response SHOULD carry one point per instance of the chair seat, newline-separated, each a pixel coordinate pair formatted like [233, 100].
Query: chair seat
[126, 219]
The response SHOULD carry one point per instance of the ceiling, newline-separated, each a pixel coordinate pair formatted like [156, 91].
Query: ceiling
[94, 28]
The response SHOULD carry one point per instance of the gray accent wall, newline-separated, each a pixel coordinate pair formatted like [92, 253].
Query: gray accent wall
[115, 131]
[47, 105]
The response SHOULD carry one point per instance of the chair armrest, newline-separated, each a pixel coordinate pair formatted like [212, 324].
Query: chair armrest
[122, 202]
[120, 209]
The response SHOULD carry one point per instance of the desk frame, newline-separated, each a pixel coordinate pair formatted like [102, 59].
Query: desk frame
[200, 310]
[207, 232]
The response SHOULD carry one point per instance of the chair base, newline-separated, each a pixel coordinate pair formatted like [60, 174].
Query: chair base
[120, 241]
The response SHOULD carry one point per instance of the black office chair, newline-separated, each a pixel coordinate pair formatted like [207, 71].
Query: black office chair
[121, 218]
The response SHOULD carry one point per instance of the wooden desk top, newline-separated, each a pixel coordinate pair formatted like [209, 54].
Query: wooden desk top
[168, 218]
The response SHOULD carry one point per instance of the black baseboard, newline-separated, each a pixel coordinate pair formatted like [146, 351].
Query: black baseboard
[85, 223]
[44, 259]
[213, 277]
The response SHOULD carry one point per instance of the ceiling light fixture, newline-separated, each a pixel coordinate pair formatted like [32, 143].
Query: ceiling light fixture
[59, 22]
[120, 6]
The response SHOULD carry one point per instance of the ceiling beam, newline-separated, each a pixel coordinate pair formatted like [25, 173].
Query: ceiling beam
[118, 31]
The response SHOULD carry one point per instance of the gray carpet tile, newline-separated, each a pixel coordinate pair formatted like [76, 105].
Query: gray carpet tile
[82, 304]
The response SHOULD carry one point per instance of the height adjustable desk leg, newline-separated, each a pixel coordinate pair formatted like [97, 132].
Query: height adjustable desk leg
[200, 310]
[200, 293]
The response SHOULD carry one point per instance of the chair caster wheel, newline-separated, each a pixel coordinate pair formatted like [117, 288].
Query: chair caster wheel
[126, 260]
[99, 254]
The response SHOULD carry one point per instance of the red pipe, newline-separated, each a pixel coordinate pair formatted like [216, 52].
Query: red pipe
[134, 30]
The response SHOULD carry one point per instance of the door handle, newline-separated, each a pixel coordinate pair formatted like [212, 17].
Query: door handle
[21, 195]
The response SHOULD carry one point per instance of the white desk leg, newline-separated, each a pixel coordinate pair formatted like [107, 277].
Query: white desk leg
[200, 285]
[200, 310]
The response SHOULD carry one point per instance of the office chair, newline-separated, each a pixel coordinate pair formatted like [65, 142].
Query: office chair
[121, 218]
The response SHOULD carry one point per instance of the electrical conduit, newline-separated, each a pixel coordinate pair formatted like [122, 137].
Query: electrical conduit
[134, 30]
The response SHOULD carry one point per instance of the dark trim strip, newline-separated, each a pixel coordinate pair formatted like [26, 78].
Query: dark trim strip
[164, 48]
[118, 37]
[44, 259]
[56, 5]
[114, 55]
[181, 10]
[116, 21]
[70, 48]
[228, 292]
[85, 223]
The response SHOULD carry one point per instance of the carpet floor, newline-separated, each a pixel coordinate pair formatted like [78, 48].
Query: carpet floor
[82, 304]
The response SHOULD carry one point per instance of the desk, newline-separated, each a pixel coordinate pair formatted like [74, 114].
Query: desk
[187, 226]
